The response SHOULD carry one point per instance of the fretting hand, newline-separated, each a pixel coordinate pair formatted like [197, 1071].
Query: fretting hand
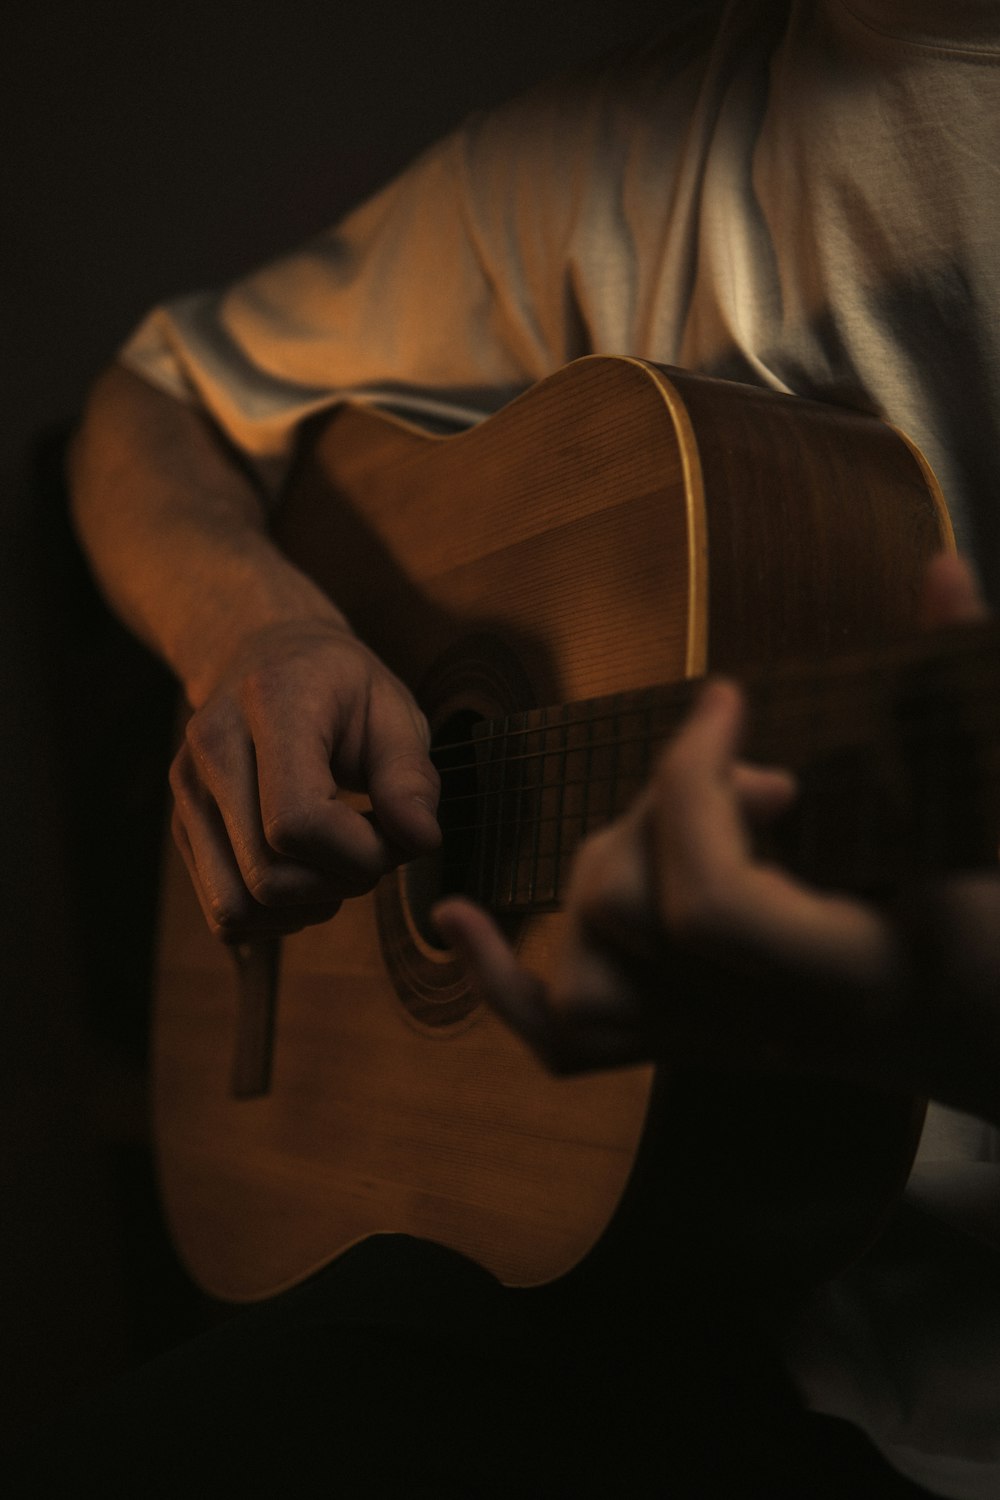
[682, 944]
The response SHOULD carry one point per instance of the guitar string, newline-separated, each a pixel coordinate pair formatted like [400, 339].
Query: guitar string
[914, 740]
[508, 728]
[941, 723]
[677, 695]
[988, 778]
[535, 842]
[561, 748]
[571, 827]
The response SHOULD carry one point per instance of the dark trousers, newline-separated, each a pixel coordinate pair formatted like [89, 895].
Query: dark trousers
[405, 1371]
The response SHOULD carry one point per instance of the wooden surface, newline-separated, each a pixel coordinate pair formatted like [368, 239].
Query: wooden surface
[616, 527]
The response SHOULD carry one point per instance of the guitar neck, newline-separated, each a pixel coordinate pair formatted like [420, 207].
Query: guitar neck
[897, 756]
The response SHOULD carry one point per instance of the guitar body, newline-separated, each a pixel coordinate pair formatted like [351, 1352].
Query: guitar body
[618, 526]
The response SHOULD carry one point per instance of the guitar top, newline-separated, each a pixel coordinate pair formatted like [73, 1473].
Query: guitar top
[548, 583]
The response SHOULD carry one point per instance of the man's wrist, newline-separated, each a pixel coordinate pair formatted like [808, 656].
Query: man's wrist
[253, 600]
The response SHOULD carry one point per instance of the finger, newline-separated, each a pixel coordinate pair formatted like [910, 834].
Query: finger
[402, 782]
[699, 834]
[611, 893]
[302, 817]
[518, 997]
[219, 756]
[590, 1028]
[615, 951]
[709, 881]
[301, 747]
[829, 961]
[951, 593]
[609, 886]
[767, 920]
[230, 911]
[201, 835]
[763, 792]
[704, 798]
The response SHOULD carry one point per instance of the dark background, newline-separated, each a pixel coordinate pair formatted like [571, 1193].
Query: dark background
[148, 151]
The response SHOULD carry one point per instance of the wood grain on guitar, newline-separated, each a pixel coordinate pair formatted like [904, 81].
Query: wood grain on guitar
[544, 582]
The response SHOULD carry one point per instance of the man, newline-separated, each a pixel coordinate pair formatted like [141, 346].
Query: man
[800, 195]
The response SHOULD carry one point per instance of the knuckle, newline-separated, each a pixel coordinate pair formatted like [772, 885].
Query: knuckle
[204, 734]
[180, 775]
[297, 834]
[287, 828]
[262, 685]
[266, 886]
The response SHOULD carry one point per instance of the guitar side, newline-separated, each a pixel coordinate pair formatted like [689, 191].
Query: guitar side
[562, 550]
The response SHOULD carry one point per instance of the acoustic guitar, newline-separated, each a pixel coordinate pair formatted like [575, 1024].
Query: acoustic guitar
[550, 583]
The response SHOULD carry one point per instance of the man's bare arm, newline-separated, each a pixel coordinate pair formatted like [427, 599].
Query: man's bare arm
[176, 533]
[288, 704]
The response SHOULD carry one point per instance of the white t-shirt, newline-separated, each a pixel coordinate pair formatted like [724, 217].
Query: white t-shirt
[802, 195]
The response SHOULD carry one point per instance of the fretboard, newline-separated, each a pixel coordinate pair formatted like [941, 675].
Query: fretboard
[897, 756]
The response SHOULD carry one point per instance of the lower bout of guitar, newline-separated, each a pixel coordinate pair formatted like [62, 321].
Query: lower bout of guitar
[375, 1123]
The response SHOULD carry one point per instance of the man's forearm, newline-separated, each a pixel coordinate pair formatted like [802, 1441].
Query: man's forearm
[176, 533]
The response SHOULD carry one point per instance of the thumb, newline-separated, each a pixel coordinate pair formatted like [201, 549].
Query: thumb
[403, 784]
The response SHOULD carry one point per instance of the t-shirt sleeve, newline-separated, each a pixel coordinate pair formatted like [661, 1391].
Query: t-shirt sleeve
[433, 299]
